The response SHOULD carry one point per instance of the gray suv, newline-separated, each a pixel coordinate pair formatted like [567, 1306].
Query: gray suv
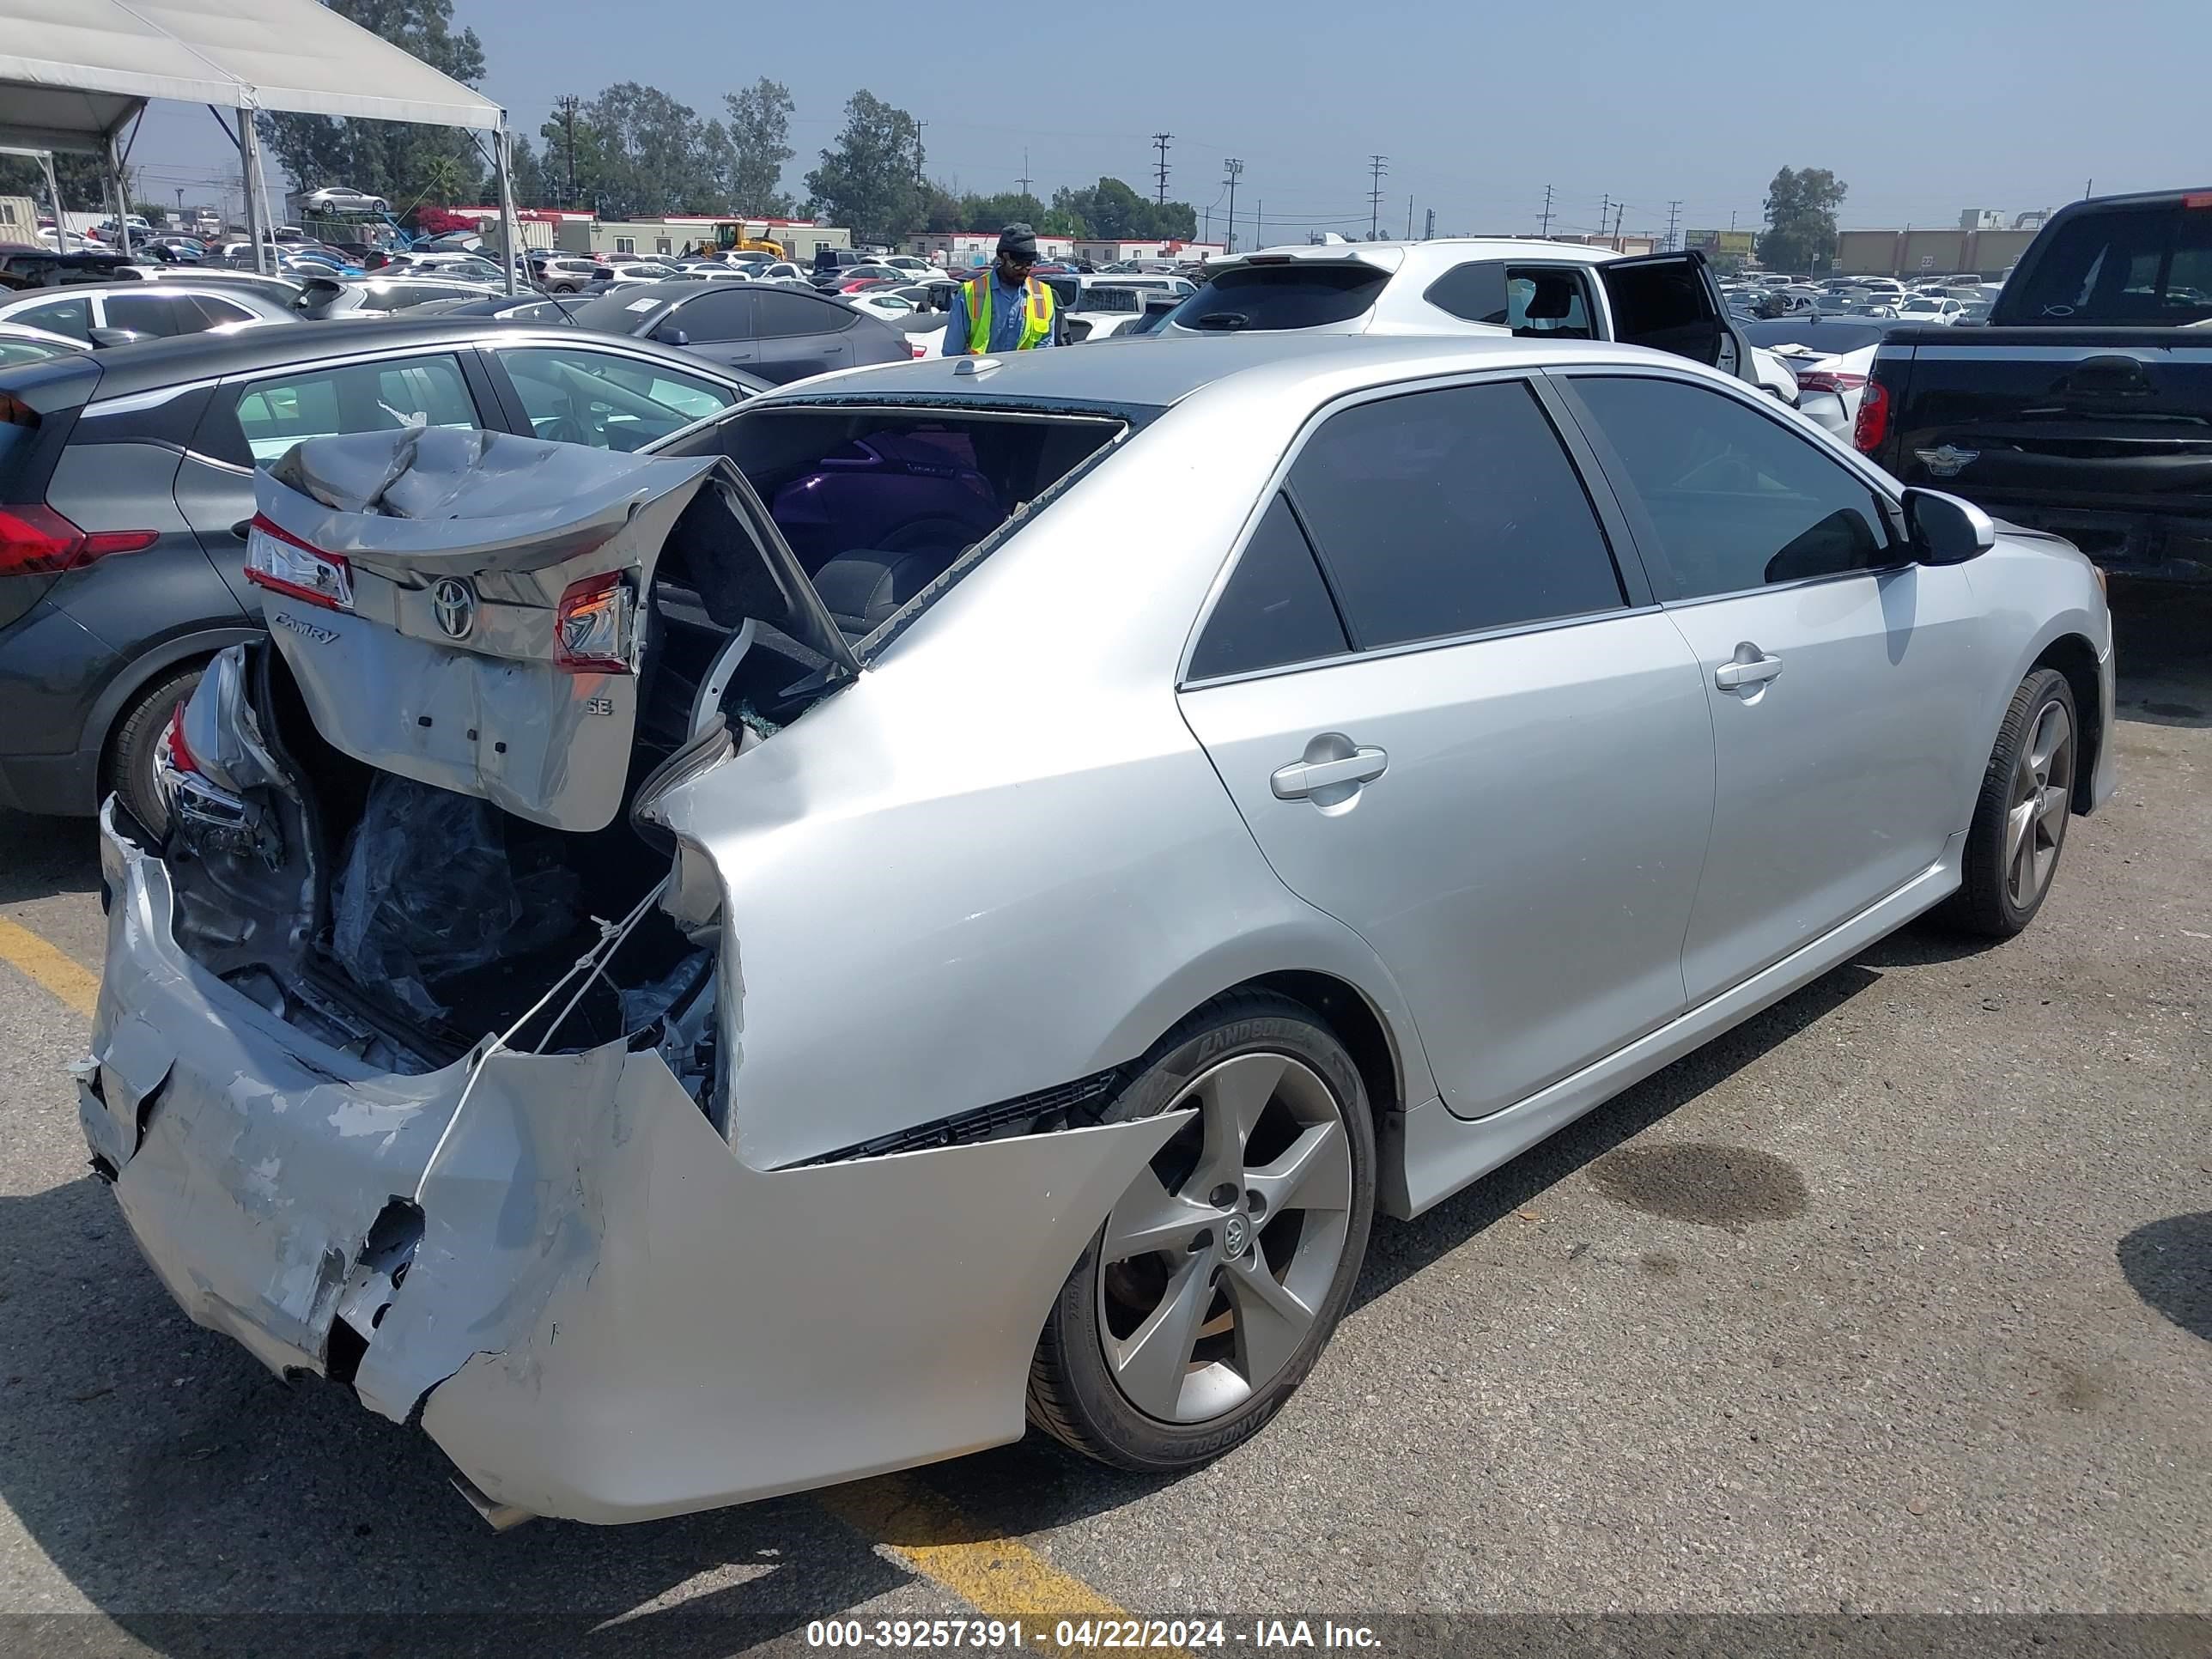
[781, 334]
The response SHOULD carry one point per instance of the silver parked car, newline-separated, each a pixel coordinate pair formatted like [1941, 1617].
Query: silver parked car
[704, 976]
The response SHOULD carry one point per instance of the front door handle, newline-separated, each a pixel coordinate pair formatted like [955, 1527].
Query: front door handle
[1302, 779]
[1750, 667]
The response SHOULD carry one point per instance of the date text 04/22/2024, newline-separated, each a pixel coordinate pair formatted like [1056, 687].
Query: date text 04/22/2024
[988, 1635]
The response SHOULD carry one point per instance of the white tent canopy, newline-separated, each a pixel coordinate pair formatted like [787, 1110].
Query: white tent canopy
[73, 73]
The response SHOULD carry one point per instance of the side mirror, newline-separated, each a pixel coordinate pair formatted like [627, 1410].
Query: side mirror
[104, 337]
[671, 336]
[1946, 530]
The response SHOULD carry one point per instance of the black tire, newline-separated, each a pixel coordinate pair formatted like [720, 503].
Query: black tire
[1989, 902]
[1072, 1394]
[129, 770]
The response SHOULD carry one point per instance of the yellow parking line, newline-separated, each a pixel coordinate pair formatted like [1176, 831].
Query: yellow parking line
[1000, 1578]
[40, 963]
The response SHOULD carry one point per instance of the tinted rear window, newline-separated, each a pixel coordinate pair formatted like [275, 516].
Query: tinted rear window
[1297, 295]
[2137, 265]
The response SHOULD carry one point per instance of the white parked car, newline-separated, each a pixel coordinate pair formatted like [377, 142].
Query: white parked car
[1456, 285]
[920, 270]
[1930, 309]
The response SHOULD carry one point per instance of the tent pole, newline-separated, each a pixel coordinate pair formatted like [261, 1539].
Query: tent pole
[112, 166]
[249, 163]
[261, 184]
[54, 195]
[510, 229]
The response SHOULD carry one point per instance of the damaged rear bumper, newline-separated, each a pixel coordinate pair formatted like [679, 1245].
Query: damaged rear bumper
[601, 1310]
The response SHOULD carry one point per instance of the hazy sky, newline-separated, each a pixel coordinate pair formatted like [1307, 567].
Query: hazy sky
[1923, 110]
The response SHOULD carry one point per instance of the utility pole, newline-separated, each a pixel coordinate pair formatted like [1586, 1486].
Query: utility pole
[1604, 213]
[564, 108]
[1259, 217]
[1160, 170]
[1546, 232]
[1674, 218]
[1233, 167]
[1378, 165]
[1429, 229]
[1409, 218]
[1619, 213]
[1025, 181]
[918, 127]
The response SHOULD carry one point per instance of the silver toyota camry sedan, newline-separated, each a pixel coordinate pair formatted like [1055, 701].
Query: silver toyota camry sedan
[948, 899]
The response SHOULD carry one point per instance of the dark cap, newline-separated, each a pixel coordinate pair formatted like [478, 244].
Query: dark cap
[1017, 239]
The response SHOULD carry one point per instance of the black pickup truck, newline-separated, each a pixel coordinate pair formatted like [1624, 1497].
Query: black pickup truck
[2085, 407]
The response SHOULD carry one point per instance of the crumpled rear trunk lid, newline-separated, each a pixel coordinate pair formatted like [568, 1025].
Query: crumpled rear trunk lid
[470, 610]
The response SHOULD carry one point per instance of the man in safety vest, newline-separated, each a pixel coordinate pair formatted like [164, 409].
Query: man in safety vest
[1004, 308]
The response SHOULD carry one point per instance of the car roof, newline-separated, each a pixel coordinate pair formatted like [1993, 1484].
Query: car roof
[1151, 371]
[149, 365]
[1438, 252]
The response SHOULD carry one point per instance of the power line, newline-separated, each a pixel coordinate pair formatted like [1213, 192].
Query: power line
[1378, 165]
[1160, 144]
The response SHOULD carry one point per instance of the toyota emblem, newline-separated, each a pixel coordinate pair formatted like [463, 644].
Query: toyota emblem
[453, 603]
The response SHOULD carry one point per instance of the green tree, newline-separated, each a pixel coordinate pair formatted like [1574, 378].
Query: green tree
[867, 180]
[1801, 218]
[759, 143]
[651, 155]
[527, 174]
[387, 158]
[1007, 208]
[440, 181]
[77, 175]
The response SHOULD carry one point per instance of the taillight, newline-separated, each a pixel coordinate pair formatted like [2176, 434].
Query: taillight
[280, 561]
[591, 628]
[36, 540]
[180, 752]
[1873, 423]
[1829, 380]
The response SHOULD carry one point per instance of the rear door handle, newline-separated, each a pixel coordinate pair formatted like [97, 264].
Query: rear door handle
[1749, 667]
[1302, 778]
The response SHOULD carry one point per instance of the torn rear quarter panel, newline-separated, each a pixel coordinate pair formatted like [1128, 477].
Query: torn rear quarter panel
[612, 1316]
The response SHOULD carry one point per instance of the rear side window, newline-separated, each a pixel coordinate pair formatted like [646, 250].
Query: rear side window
[1299, 294]
[1443, 512]
[2145, 265]
[1275, 610]
[274, 414]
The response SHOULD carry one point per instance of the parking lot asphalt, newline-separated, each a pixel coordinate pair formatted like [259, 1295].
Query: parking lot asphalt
[1898, 1298]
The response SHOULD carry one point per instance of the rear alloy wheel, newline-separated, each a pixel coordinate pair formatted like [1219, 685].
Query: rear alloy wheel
[129, 772]
[2020, 819]
[1217, 1279]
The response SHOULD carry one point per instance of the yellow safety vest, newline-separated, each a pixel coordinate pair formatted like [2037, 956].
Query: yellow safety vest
[1036, 314]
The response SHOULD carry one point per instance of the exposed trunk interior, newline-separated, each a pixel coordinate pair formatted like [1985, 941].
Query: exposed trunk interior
[402, 922]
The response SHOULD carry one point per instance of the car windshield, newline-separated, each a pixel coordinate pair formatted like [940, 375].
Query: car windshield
[1300, 294]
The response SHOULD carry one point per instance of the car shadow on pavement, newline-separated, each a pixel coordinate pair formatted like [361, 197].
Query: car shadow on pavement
[2169, 1264]
[42, 857]
[1398, 1250]
[204, 1507]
